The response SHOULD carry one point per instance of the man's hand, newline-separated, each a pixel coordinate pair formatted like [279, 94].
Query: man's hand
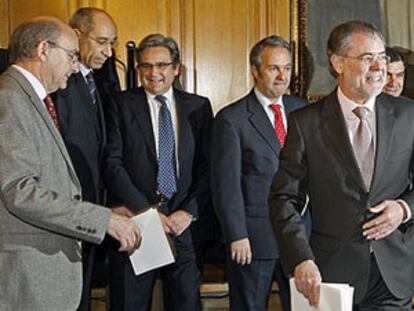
[122, 210]
[124, 230]
[165, 223]
[241, 252]
[308, 281]
[390, 215]
[179, 221]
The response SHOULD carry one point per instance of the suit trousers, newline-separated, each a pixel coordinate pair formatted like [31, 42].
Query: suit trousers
[378, 296]
[250, 285]
[181, 281]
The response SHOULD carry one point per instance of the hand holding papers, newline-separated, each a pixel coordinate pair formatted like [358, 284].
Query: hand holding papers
[333, 296]
[154, 251]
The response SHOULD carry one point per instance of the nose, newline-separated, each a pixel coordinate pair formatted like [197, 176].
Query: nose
[107, 50]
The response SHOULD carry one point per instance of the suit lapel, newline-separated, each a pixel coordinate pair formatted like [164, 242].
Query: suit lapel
[260, 121]
[183, 128]
[335, 130]
[385, 130]
[41, 109]
[139, 105]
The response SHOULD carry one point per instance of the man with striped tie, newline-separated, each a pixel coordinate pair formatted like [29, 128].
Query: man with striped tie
[81, 117]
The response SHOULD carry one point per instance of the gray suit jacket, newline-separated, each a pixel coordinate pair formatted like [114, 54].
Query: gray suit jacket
[318, 160]
[41, 216]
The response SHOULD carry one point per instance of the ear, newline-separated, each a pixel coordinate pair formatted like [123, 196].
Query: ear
[337, 63]
[255, 72]
[42, 50]
[177, 69]
[77, 32]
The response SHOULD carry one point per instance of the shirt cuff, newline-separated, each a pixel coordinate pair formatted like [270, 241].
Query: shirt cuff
[407, 210]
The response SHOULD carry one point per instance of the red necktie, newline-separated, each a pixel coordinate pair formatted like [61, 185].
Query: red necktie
[278, 123]
[50, 106]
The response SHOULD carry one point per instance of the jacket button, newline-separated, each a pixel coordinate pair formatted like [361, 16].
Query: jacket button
[77, 197]
[79, 228]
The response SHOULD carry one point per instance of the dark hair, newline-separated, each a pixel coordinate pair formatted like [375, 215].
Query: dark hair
[27, 36]
[83, 20]
[339, 41]
[394, 55]
[256, 52]
[158, 40]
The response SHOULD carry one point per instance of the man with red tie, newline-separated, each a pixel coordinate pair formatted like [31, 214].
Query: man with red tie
[248, 136]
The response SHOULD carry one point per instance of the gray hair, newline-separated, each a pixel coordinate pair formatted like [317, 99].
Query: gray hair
[256, 52]
[158, 40]
[83, 20]
[339, 41]
[27, 36]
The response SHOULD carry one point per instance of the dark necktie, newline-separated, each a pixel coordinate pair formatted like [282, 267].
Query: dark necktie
[278, 123]
[364, 145]
[166, 178]
[51, 109]
[91, 86]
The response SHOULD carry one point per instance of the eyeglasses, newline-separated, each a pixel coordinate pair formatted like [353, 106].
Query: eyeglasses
[161, 66]
[370, 59]
[102, 42]
[73, 55]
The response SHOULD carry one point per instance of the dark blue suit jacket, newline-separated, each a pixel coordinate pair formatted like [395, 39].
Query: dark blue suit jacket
[83, 130]
[244, 158]
[131, 163]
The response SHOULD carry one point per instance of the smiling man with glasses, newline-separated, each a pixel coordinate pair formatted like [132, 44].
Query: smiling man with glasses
[80, 111]
[158, 155]
[352, 155]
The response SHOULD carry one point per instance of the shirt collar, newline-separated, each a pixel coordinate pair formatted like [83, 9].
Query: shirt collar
[84, 70]
[38, 87]
[265, 102]
[169, 95]
[348, 105]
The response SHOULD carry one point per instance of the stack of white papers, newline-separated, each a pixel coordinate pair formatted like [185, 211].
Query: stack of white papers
[154, 251]
[333, 297]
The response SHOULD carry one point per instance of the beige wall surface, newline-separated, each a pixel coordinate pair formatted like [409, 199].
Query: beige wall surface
[214, 36]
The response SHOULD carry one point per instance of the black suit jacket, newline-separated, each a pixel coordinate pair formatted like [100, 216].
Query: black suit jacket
[83, 130]
[244, 158]
[131, 163]
[318, 160]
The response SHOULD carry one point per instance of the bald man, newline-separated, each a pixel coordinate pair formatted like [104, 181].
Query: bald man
[42, 216]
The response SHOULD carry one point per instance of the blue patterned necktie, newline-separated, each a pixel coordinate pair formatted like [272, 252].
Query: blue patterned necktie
[166, 178]
[91, 86]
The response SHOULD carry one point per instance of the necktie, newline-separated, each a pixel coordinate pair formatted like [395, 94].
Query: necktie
[278, 123]
[91, 86]
[166, 178]
[364, 145]
[51, 109]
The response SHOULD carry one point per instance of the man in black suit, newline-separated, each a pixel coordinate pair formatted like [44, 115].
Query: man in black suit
[158, 154]
[80, 112]
[352, 153]
[248, 136]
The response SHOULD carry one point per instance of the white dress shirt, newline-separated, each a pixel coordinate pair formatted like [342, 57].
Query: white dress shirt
[265, 102]
[34, 82]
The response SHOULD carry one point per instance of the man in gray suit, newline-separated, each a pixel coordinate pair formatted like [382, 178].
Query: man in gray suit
[42, 217]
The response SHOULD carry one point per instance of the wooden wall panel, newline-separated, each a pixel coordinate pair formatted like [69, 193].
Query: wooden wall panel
[4, 23]
[215, 36]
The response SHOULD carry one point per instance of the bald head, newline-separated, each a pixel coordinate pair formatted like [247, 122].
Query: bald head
[46, 47]
[97, 35]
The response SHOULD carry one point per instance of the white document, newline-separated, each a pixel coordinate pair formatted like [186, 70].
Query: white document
[333, 297]
[154, 251]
